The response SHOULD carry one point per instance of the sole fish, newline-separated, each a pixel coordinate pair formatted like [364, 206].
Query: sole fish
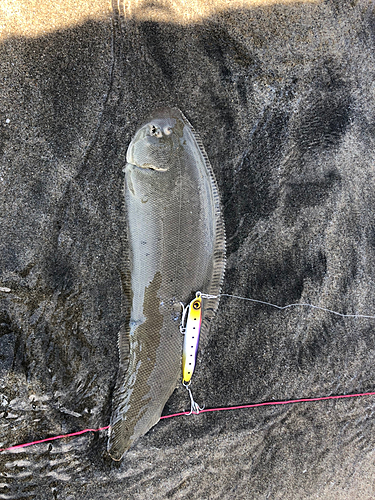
[177, 247]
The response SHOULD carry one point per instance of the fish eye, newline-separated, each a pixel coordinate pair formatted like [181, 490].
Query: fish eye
[168, 130]
[155, 131]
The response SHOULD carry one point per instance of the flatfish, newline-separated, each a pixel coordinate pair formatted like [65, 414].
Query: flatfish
[177, 247]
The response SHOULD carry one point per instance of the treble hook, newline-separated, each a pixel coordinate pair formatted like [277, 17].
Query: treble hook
[185, 310]
[194, 407]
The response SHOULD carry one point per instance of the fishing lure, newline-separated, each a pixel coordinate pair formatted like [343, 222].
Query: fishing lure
[190, 326]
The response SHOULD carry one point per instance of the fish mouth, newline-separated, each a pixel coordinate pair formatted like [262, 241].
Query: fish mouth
[152, 167]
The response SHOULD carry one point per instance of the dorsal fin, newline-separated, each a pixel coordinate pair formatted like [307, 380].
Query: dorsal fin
[124, 348]
[219, 257]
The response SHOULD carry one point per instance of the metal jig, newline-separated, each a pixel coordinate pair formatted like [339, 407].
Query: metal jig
[191, 321]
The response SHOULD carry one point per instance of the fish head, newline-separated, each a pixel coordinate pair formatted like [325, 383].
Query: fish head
[156, 143]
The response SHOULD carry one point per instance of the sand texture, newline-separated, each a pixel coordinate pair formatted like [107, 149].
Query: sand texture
[282, 96]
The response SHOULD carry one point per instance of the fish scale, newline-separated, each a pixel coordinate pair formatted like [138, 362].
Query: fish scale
[177, 246]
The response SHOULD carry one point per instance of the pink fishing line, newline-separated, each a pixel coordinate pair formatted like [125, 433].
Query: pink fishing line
[54, 437]
[271, 403]
[254, 405]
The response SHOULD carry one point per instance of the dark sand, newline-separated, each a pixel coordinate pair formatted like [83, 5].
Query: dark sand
[282, 96]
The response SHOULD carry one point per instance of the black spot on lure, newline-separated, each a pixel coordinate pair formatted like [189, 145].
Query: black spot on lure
[177, 246]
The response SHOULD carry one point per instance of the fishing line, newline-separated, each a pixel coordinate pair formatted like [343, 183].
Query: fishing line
[281, 308]
[206, 410]
[54, 438]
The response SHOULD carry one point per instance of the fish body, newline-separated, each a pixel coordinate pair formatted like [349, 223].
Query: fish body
[177, 246]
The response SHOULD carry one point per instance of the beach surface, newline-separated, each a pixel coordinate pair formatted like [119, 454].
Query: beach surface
[282, 96]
